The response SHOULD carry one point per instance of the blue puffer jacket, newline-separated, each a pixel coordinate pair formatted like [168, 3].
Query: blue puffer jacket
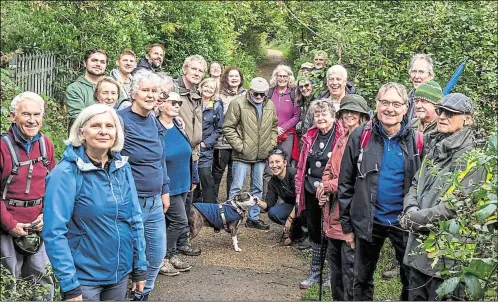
[93, 229]
[212, 124]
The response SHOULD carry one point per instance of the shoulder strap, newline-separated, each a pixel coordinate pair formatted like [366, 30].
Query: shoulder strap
[14, 152]
[365, 135]
[43, 152]
[293, 95]
[270, 92]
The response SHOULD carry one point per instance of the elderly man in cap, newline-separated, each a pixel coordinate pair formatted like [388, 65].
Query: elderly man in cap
[425, 98]
[250, 127]
[424, 204]
[27, 157]
[305, 69]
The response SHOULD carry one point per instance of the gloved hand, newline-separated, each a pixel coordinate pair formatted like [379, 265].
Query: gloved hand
[404, 220]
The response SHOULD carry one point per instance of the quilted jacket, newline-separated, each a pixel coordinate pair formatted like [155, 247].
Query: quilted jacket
[251, 138]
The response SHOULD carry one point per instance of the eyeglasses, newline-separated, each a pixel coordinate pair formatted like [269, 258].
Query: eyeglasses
[164, 96]
[307, 85]
[282, 76]
[259, 94]
[396, 105]
[447, 113]
[418, 72]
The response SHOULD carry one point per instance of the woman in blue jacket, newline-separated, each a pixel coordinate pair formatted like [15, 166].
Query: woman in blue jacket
[93, 229]
[212, 124]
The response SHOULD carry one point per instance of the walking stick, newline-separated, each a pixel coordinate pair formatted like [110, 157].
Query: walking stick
[322, 239]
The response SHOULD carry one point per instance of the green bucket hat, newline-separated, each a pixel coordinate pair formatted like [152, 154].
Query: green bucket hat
[430, 91]
[353, 102]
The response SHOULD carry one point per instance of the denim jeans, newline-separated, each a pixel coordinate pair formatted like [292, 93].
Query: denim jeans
[280, 212]
[110, 292]
[239, 174]
[176, 222]
[155, 237]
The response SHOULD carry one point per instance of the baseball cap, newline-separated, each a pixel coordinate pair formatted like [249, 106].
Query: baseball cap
[307, 65]
[259, 84]
[456, 102]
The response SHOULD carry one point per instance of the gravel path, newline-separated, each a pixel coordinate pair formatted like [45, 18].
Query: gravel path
[264, 270]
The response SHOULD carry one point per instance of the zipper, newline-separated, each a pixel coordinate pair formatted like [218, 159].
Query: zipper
[115, 219]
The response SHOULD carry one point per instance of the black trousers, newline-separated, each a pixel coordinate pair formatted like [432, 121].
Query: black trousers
[222, 158]
[341, 262]
[366, 258]
[206, 192]
[423, 288]
[313, 217]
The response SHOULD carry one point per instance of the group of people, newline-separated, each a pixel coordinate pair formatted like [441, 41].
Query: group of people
[142, 146]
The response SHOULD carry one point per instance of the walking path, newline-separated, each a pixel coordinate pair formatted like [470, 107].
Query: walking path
[264, 270]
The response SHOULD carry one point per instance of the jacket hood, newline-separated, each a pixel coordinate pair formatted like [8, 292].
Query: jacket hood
[182, 90]
[143, 63]
[232, 93]
[82, 80]
[443, 144]
[78, 156]
[117, 75]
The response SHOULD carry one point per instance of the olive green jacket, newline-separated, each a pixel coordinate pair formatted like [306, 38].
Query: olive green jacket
[428, 187]
[251, 138]
[79, 95]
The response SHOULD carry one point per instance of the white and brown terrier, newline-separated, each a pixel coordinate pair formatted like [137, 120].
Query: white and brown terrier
[227, 216]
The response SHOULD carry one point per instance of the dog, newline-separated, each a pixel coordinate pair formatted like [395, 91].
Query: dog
[227, 215]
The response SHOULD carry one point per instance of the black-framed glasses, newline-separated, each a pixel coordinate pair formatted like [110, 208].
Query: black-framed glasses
[447, 113]
[163, 96]
[307, 86]
[259, 94]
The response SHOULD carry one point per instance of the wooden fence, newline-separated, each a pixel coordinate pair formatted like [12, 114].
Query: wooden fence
[35, 72]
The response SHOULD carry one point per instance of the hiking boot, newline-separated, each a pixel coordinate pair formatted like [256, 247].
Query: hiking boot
[189, 250]
[314, 275]
[257, 224]
[387, 275]
[179, 264]
[304, 244]
[168, 269]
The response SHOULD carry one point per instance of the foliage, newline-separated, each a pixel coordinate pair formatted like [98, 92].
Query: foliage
[232, 32]
[375, 41]
[54, 120]
[12, 289]
[471, 237]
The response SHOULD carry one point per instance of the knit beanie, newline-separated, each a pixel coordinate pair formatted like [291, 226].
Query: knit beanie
[430, 91]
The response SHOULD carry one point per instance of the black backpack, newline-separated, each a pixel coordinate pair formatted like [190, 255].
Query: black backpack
[16, 164]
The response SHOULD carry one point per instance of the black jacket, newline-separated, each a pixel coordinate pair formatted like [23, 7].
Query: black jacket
[143, 63]
[357, 194]
[284, 189]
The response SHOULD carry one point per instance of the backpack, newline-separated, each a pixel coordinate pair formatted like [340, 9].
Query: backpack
[367, 132]
[16, 164]
[292, 94]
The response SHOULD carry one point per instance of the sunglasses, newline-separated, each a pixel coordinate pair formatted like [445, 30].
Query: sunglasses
[447, 113]
[308, 85]
[259, 94]
[276, 151]
[175, 102]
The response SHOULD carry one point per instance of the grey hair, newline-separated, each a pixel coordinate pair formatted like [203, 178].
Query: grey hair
[273, 80]
[87, 114]
[24, 96]
[322, 104]
[165, 79]
[338, 69]
[197, 58]
[399, 88]
[322, 53]
[144, 75]
[425, 57]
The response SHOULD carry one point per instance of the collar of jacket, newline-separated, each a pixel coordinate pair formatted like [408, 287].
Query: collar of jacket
[248, 98]
[231, 93]
[312, 133]
[78, 155]
[379, 129]
[183, 91]
[443, 145]
[14, 131]
[210, 104]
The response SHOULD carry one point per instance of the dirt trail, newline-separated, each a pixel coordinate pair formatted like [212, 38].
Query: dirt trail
[264, 270]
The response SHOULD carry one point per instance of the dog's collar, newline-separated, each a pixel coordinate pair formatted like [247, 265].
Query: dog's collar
[235, 205]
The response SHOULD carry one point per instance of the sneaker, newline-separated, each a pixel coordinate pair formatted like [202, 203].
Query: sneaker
[168, 269]
[179, 264]
[304, 244]
[257, 224]
[189, 250]
[307, 283]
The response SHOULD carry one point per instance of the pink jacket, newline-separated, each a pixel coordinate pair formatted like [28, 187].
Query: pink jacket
[330, 180]
[308, 139]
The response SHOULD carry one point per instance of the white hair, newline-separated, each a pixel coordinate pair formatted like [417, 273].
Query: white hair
[165, 79]
[286, 69]
[427, 58]
[197, 58]
[338, 69]
[87, 114]
[27, 95]
[144, 75]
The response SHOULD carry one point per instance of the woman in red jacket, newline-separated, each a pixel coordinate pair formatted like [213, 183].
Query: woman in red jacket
[352, 113]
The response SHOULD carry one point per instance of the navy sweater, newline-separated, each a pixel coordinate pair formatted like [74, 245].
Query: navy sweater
[390, 187]
[144, 147]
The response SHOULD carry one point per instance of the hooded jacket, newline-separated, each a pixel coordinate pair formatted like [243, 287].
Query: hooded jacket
[251, 137]
[427, 189]
[212, 123]
[191, 113]
[357, 191]
[226, 97]
[93, 229]
[308, 140]
[79, 95]
[143, 63]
